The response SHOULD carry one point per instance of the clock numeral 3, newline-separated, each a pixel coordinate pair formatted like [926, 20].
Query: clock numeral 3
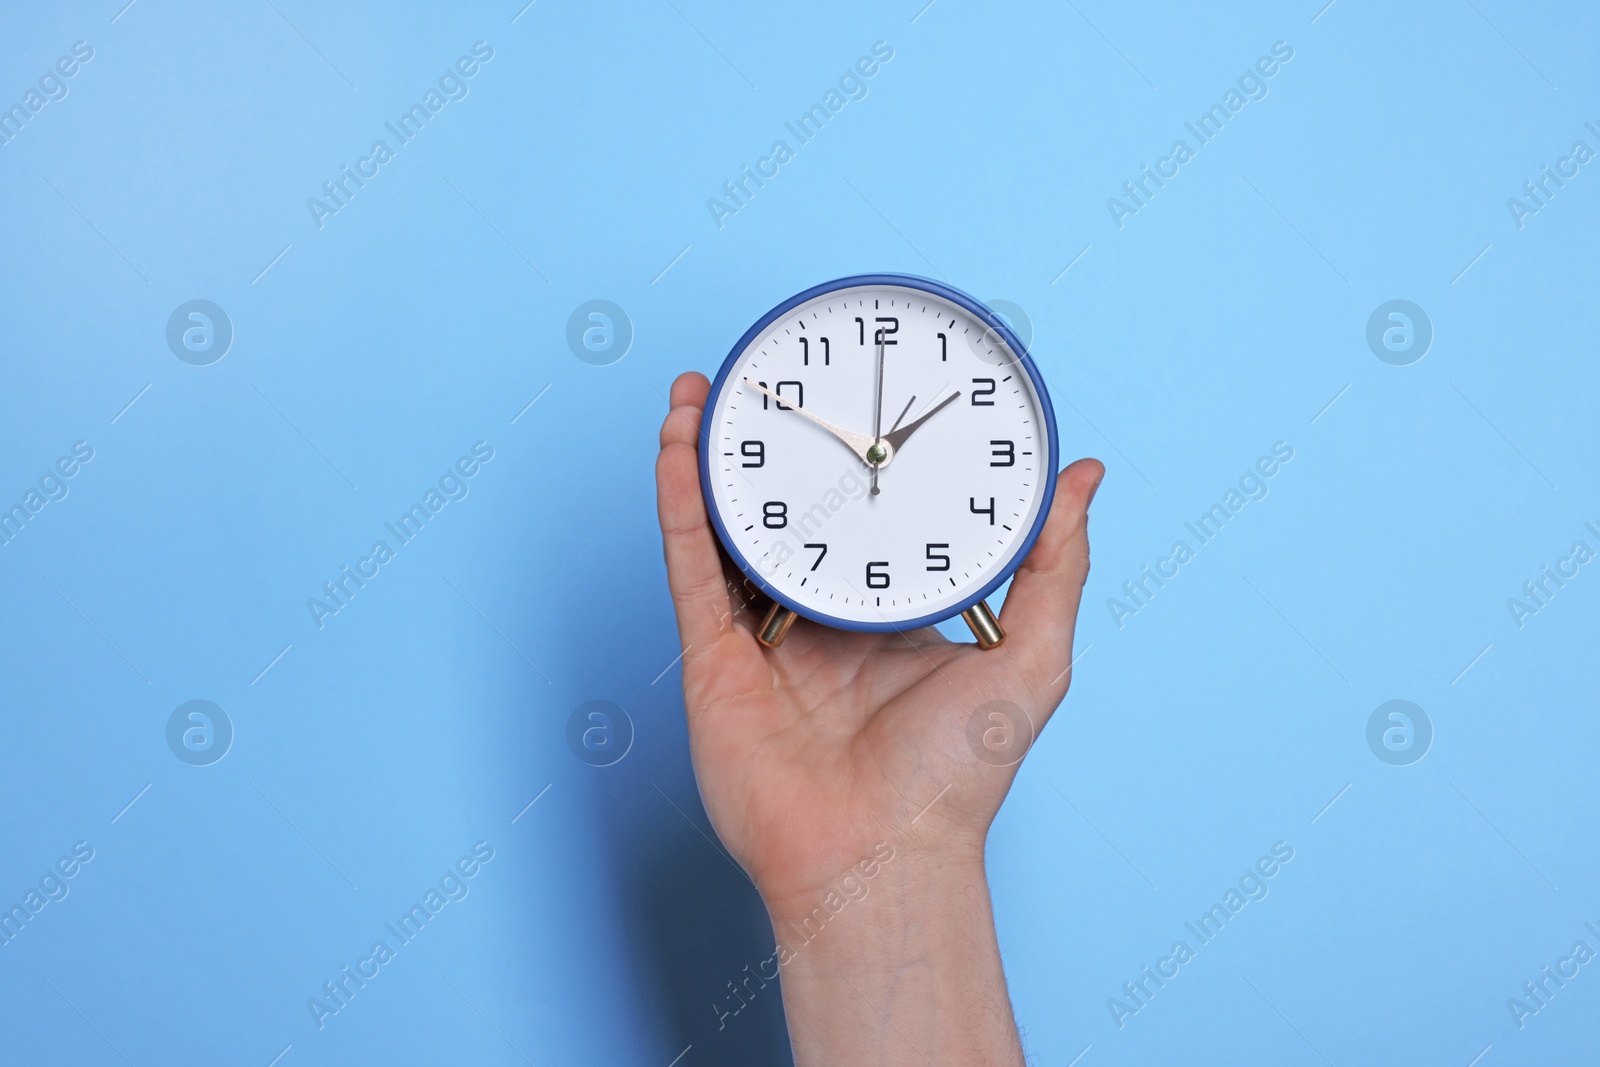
[943, 559]
[878, 579]
[754, 450]
[775, 515]
[1005, 453]
[824, 552]
[972, 502]
[976, 393]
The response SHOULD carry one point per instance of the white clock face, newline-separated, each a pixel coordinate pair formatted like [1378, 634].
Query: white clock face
[959, 434]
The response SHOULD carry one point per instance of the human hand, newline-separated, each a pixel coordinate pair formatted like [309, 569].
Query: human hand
[810, 755]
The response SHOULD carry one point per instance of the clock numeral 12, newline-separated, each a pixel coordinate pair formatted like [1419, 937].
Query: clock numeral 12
[972, 503]
[880, 335]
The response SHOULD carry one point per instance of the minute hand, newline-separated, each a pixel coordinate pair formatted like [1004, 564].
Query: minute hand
[897, 439]
[855, 442]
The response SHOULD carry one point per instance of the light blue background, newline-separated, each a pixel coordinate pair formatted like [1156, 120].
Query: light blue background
[424, 317]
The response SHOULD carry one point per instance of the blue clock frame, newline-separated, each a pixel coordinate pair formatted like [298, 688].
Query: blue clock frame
[984, 315]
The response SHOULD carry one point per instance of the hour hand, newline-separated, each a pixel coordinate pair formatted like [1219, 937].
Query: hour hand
[897, 438]
[855, 442]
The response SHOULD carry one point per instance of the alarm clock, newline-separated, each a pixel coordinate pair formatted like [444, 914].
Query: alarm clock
[878, 453]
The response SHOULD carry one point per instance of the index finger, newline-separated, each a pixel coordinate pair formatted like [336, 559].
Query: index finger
[694, 570]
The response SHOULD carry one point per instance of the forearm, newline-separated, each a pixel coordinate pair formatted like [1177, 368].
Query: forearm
[910, 974]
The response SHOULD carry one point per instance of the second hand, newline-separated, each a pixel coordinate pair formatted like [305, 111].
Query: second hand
[877, 452]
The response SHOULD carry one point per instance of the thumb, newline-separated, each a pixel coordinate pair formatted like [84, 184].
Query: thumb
[1041, 610]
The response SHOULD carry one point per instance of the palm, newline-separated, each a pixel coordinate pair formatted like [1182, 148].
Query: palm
[811, 754]
[808, 768]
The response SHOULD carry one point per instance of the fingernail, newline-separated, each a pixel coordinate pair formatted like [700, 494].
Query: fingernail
[1093, 489]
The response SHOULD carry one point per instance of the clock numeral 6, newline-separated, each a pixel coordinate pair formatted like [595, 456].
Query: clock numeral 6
[1005, 453]
[824, 552]
[976, 393]
[972, 502]
[943, 559]
[756, 450]
[799, 395]
[878, 579]
[775, 514]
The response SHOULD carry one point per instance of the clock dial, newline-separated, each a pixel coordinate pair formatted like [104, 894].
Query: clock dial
[958, 434]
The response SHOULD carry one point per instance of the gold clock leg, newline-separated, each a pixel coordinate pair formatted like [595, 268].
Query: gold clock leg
[775, 627]
[985, 627]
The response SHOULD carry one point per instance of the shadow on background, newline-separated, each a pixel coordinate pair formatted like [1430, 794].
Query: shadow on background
[692, 919]
[701, 924]
[692, 916]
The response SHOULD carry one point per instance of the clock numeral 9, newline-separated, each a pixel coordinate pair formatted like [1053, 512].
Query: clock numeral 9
[972, 503]
[756, 450]
[805, 351]
[878, 579]
[774, 514]
[943, 559]
[799, 395]
[976, 393]
[1005, 453]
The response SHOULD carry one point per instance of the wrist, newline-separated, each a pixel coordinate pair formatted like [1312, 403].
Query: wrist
[886, 891]
[895, 967]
